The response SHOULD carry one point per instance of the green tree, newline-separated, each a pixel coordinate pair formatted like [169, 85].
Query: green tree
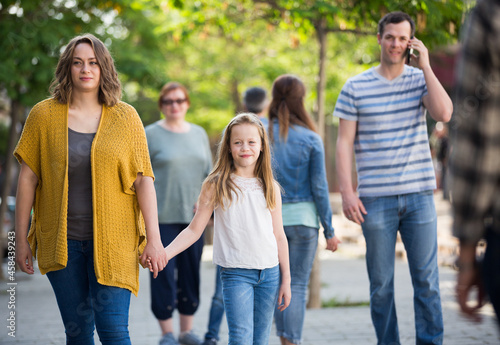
[436, 24]
[33, 34]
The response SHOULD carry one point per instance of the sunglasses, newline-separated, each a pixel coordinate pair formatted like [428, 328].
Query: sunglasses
[172, 101]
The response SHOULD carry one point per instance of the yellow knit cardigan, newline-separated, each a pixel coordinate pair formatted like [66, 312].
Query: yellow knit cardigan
[119, 151]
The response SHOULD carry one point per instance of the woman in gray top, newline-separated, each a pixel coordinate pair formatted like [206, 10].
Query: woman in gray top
[181, 159]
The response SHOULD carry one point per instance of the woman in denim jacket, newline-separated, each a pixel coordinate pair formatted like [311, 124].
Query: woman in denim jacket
[299, 165]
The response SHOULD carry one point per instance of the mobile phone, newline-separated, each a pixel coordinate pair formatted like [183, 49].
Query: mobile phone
[409, 51]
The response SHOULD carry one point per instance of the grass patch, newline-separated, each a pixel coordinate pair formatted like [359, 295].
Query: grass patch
[335, 303]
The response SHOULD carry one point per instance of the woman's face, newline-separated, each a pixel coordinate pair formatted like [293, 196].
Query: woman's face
[85, 70]
[174, 105]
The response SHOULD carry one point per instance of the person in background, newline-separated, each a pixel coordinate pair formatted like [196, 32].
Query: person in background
[86, 173]
[299, 163]
[474, 161]
[255, 101]
[382, 118]
[216, 312]
[181, 159]
[249, 241]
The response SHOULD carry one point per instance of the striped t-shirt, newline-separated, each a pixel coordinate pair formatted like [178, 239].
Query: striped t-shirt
[391, 145]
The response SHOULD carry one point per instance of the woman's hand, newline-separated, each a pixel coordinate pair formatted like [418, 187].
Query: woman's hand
[25, 197]
[24, 257]
[332, 243]
[154, 257]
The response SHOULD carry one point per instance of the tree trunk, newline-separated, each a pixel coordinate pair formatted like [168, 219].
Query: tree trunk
[315, 279]
[321, 33]
[314, 300]
[15, 110]
[235, 95]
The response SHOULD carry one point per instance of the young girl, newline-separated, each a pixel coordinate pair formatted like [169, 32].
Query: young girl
[249, 241]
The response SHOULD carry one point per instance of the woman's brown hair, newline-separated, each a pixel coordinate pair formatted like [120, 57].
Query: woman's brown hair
[110, 90]
[287, 105]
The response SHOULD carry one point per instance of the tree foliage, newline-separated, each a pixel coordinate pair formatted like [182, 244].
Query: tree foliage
[216, 48]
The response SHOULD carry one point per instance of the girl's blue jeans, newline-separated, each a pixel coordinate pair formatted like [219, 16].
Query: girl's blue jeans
[414, 215]
[302, 245]
[84, 303]
[250, 296]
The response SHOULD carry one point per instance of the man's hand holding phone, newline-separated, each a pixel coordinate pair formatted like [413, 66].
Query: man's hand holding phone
[409, 52]
[421, 58]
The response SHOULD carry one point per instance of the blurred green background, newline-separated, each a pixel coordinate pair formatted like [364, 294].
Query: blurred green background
[216, 48]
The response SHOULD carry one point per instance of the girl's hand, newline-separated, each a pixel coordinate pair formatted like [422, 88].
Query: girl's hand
[284, 296]
[148, 264]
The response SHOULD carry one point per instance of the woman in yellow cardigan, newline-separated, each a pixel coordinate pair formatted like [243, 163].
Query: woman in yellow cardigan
[85, 171]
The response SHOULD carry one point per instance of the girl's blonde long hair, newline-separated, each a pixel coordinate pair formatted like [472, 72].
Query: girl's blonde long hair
[220, 177]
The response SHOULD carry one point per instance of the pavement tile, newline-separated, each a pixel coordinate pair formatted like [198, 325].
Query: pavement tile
[343, 276]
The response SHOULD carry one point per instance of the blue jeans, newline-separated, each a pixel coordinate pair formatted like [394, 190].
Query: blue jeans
[216, 308]
[250, 296]
[83, 302]
[302, 245]
[415, 217]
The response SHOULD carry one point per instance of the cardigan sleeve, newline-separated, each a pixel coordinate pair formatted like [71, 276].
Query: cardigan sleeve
[28, 147]
[138, 160]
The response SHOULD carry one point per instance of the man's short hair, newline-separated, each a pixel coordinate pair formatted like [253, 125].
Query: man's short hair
[254, 99]
[395, 18]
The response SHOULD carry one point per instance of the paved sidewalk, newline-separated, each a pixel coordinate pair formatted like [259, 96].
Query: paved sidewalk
[343, 276]
[37, 319]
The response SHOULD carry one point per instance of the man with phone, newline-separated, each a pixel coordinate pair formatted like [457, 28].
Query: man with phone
[382, 118]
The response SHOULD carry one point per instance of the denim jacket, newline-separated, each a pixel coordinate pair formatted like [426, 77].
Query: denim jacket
[299, 167]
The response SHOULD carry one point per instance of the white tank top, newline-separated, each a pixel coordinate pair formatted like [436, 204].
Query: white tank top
[243, 232]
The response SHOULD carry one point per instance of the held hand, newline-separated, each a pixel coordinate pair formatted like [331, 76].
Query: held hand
[353, 208]
[155, 253]
[284, 296]
[332, 243]
[149, 265]
[24, 257]
[468, 279]
[422, 59]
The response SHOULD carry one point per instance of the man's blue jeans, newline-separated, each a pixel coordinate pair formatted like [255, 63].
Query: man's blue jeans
[216, 308]
[415, 217]
[250, 296]
[83, 302]
[302, 245]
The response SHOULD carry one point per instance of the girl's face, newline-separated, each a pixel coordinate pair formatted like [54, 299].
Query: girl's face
[85, 70]
[245, 147]
[174, 105]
